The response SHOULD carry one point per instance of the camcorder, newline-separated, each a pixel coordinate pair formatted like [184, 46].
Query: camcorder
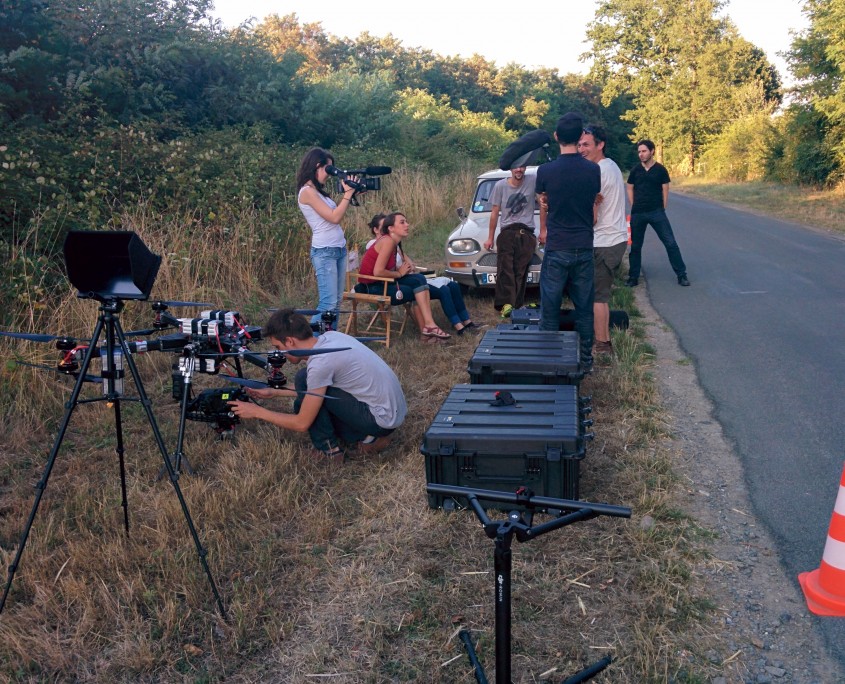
[368, 178]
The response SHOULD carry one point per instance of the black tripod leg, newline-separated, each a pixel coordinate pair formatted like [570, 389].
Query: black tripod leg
[589, 672]
[178, 455]
[477, 669]
[51, 460]
[118, 429]
[172, 474]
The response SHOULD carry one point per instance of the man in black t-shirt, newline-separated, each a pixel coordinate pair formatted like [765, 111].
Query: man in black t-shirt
[570, 184]
[648, 193]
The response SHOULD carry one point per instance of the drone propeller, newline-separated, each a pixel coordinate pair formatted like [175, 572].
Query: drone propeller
[41, 366]
[311, 352]
[257, 384]
[260, 359]
[36, 337]
[311, 312]
[136, 333]
[176, 303]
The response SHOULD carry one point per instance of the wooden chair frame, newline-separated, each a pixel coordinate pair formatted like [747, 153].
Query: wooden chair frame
[381, 303]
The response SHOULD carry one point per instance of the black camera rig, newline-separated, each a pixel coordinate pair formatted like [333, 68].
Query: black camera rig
[211, 406]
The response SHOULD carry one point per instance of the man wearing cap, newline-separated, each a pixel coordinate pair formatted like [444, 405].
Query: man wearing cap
[610, 233]
[570, 184]
[513, 204]
[648, 192]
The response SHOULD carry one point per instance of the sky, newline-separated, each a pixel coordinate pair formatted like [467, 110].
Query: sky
[536, 42]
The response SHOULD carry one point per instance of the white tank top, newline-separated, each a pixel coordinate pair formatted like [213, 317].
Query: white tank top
[324, 233]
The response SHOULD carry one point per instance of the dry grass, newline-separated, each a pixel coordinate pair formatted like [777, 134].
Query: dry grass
[810, 206]
[328, 575]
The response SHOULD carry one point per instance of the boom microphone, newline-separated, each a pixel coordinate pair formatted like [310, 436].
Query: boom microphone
[521, 150]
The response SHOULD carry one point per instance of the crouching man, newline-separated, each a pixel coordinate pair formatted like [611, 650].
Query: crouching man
[353, 395]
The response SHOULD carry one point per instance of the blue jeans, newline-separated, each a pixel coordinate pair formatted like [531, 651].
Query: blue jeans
[663, 230]
[452, 302]
[402, 290]
[571, 270]
[330, 268]
[342, 417]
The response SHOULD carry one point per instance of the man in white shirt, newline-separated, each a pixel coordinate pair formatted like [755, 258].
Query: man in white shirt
[610, 232]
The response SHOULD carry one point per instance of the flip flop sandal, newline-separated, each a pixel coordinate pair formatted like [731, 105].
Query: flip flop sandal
[434, 331]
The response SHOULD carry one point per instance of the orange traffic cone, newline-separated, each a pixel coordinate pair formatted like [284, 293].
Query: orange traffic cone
[824, 589]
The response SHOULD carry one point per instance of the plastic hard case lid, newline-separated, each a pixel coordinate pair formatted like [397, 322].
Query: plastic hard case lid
[531, 352]
[545, 420]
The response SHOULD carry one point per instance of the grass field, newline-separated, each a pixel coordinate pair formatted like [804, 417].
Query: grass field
[810, 206]
[341, 575]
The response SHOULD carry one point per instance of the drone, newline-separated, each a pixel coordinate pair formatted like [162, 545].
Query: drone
[204, 344]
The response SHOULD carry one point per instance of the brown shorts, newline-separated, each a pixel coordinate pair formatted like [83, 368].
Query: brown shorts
[607, 261]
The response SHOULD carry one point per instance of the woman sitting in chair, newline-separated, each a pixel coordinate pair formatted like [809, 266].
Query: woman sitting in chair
[449, 292]
[410, 287]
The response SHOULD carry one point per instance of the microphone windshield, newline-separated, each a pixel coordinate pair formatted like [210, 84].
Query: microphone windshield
[377, 170]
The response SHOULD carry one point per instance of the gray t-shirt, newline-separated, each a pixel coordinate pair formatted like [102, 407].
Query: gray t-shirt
[362, 373]
[516, 205]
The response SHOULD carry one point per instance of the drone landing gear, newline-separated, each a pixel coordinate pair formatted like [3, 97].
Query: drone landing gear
[115, 341]
[519, 524]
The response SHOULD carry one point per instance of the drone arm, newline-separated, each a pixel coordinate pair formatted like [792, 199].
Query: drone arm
[259, 360]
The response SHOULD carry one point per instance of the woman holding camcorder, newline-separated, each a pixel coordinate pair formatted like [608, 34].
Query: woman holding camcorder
[323, 215]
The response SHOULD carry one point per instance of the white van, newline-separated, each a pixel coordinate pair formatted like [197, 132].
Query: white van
[467, 262]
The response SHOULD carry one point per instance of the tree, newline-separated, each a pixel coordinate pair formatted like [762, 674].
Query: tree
[817, 59]
[680, 64]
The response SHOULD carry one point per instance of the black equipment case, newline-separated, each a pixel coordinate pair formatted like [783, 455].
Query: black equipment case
[529, 315]
[537, 442]
[526, 357]
[517, 326]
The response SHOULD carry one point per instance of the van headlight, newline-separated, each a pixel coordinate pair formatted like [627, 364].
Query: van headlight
[464, 246]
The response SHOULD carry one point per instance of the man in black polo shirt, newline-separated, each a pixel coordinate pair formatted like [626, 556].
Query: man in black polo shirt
[570, 184]
[648, 193]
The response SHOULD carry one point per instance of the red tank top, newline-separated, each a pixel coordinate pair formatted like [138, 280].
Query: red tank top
[368, 263]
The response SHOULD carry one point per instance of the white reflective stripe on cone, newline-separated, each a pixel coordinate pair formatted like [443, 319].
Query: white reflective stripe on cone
[834, 553]
[840, 502]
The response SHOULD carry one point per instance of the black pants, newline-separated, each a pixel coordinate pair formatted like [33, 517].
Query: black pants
[514, 248]
[342, 416]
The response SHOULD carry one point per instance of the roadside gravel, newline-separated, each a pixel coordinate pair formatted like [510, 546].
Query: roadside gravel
[765, 632]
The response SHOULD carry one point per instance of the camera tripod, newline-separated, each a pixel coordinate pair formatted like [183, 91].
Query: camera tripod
[116, 347]
[519, 524]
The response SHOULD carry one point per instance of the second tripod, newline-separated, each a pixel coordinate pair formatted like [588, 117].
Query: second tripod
[519, 524]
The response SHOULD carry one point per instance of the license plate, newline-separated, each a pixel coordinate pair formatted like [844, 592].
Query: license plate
[487, 278]
[533, 277]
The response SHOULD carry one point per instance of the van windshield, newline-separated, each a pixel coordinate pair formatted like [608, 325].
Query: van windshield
[481, 203]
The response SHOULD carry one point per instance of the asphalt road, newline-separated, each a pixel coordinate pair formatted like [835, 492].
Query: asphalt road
[764, 323]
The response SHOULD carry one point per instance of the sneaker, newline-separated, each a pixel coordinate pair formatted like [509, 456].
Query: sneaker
[333, 457]
[683, 280]
[507, 309]
[376, 445]
[632, 282]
